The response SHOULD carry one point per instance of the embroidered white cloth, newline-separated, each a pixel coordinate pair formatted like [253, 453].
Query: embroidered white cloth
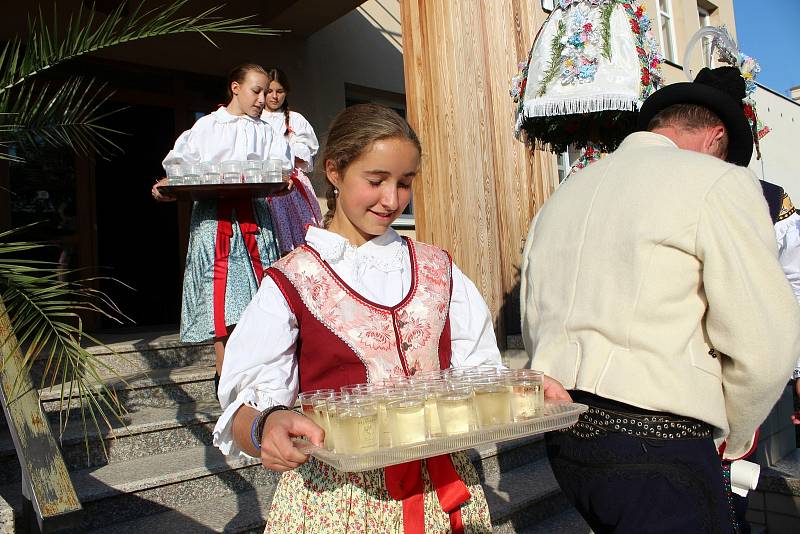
[221, 136]
[303, 141]
[260, 352]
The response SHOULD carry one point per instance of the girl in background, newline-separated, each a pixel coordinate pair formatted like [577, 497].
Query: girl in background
[231, 241]
[293, 213]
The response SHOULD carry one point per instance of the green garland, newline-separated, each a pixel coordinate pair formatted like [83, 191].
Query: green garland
[605, 28]
[553, 66]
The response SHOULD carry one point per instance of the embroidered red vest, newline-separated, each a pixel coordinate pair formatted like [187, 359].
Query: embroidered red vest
[346, 339]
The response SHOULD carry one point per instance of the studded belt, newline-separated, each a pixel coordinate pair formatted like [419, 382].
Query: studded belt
[597, 422]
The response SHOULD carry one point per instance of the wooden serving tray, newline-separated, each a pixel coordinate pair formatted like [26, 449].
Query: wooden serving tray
[215, 191]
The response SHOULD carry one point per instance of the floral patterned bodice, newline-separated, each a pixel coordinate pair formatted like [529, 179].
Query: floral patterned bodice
[396, 340]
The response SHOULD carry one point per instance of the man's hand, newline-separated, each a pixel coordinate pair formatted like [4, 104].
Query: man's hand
[554, 391]
[278, 453]
[796, 414]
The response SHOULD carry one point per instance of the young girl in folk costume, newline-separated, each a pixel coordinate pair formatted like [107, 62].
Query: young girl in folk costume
[231, 241]
[356, 304]
[292, 213]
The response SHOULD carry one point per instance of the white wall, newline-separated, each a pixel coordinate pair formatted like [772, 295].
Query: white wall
[363, 48]
[780, 148]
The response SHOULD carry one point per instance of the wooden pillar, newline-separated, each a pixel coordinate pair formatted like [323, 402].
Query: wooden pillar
[479, 187]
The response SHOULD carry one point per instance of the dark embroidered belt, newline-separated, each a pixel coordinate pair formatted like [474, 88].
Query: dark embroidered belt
[597, 422]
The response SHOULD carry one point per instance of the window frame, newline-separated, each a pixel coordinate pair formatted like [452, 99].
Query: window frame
[668, 14]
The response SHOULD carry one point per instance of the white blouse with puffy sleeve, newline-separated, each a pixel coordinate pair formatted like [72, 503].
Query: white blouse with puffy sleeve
[221, 136]
[302, 140]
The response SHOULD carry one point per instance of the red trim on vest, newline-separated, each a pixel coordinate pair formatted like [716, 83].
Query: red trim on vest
[356, 295]
[340, 366]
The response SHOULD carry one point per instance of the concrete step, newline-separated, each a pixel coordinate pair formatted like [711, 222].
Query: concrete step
[153, 388]
[157, 483]
[244, 512]
[523, 497]
[567, 522]
[145, 432]
[136, 351]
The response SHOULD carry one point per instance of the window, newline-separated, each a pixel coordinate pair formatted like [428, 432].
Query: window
[666, 30]
[565, 161]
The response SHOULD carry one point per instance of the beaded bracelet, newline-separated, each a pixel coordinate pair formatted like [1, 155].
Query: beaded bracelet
[257, 428]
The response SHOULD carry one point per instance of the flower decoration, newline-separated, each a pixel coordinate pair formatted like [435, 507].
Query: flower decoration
[579, 51]
[590, 154]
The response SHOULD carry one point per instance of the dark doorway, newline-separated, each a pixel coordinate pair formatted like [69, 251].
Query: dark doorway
[137, 238]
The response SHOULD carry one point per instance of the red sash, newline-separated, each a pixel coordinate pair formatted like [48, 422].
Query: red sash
[222, 248]
[404, 483]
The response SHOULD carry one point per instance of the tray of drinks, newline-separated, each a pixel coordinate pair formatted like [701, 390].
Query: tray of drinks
[553, 416]
[215, 191]
[430, 413]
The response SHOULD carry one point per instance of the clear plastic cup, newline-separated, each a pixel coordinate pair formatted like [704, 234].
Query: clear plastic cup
[306, 404]
[406, 413]
[527, 393]
[174, 174]
[272, 170]
[429, 390]
[358, 430]
[456, 410]
[212, 174]
[252, 171]
[332, 417]
[231, 172]
[192, 173]
[492, 402]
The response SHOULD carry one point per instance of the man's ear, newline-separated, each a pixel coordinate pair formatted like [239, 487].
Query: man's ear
[713, 141]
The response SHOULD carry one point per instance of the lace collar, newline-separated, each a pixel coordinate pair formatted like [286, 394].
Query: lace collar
[384, 253]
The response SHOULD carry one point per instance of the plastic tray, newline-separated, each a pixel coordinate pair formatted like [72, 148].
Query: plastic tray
[206, 191]
[554, 416]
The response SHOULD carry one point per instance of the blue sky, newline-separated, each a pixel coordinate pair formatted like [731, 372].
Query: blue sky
[767, 31]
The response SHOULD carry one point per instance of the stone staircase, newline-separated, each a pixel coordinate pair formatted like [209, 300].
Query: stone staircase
[162, 474]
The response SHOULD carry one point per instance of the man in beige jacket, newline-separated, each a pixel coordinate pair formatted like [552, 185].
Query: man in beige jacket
[651, 289]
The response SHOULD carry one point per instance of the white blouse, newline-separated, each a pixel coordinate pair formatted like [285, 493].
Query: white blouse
[221, 136]
[787, 232]
[261, 351]
[303, 141]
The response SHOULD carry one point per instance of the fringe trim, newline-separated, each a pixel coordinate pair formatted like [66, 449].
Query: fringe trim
[541, 108]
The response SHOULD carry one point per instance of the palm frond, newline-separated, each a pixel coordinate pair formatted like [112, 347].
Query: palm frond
[66, 116]
[43, 307]
[84, 33]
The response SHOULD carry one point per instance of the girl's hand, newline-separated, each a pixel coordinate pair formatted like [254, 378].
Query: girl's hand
[157, 195]
[554, 391]
[278, 453]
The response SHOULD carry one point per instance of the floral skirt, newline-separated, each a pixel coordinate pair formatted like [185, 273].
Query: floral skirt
[317, 499]
[197, 308]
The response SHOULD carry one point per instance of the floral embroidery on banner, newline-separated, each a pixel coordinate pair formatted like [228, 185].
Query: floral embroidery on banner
[369, 330]
[579, 55]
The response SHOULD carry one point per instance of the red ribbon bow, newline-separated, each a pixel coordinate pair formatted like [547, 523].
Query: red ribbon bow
[222, 250]
[404, 483]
